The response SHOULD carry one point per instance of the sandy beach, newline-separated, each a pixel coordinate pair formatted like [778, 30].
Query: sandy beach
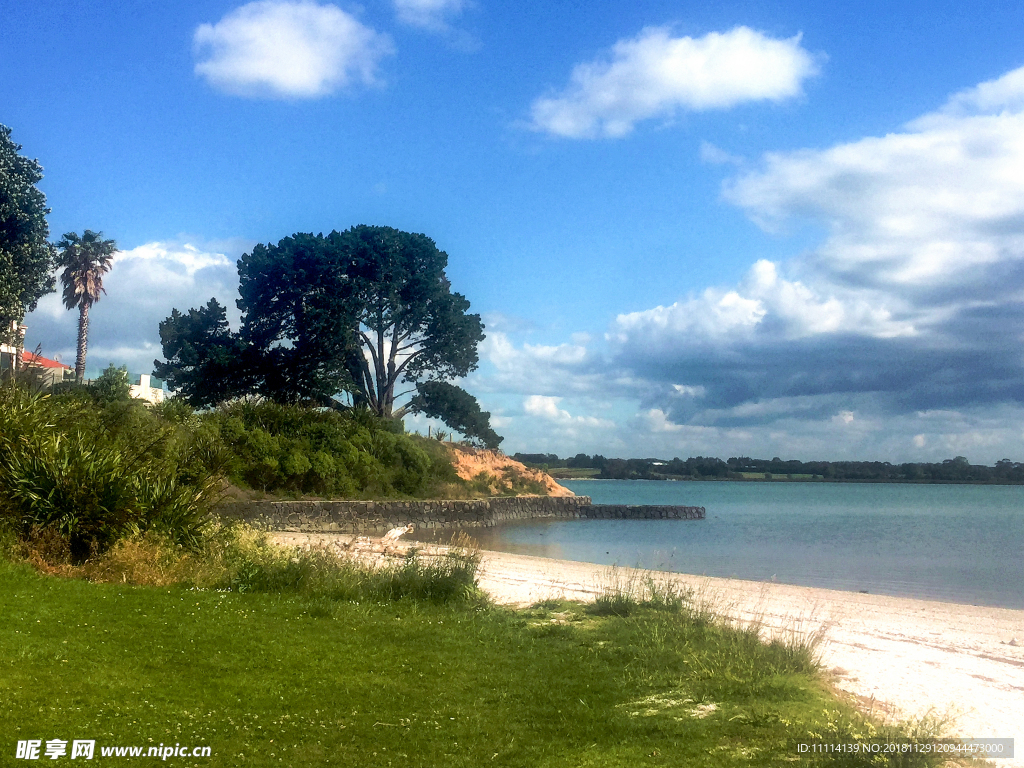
[900, 656]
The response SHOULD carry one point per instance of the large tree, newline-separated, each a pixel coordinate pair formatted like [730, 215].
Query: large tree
[84, 260]
[26, 256]
[368, 311]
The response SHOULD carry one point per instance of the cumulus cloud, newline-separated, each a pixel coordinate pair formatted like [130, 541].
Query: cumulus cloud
[913, 303]
[428, 14]
[532, 368]
[288, 49]
[764, 306]
[655, 74]
[547, 408]
[143, 286]
[897, 337]
[941, 201]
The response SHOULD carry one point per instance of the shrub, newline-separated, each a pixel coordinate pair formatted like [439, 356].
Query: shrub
[112, 385]
[95, 475]
[295, 449]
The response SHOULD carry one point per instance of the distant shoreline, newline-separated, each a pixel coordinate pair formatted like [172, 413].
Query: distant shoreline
[831, 481]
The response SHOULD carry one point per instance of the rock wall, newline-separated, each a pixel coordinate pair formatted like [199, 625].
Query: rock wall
[641, 512]
[381, 516]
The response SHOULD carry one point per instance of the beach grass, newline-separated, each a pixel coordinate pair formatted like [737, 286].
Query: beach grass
[292, 670]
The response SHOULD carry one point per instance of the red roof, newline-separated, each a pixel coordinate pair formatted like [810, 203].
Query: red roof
[42, 362]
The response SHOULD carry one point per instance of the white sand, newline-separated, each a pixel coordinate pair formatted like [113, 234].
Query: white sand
[903, 657]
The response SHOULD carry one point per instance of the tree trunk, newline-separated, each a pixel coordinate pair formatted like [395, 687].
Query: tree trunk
[83, 341]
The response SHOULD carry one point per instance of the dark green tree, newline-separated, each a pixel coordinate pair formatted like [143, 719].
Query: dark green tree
[410, 326]
[456, 408]
[298, 313]
[368, 311]
[112, 385]
[204, 358]
[26, 256]
[84, 260]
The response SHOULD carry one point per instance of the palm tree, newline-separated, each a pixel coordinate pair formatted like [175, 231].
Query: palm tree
[85, 260]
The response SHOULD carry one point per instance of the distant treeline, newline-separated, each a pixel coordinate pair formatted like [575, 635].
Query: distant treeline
[958, 470]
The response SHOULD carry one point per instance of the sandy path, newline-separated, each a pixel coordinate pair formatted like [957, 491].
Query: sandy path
[910, 657]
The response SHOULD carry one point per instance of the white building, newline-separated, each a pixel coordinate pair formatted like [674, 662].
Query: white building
[148, 388]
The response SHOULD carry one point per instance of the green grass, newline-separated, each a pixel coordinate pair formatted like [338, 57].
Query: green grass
[761, 476]
[294, 677]
[567, 473]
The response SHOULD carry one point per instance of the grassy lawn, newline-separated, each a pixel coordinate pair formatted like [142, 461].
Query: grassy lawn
[761, 476]
[566, 473]
[284, 679]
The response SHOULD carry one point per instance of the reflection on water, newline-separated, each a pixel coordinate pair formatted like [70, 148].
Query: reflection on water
[954, 543]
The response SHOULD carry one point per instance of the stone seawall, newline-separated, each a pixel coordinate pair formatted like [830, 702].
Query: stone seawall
[641, 512]
[381, 516]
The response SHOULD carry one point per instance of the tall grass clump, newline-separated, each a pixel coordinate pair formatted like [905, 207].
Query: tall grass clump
[734, 659]
[93, 474]
[252, 564]
[236, 557]
[625, 593]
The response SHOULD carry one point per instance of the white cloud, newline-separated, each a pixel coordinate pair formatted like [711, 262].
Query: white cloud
[536, 367]
[939, 202]
[428, 14]
[1006, 92]
[843, 417]
[654, 74]
[170, 262]
[656, 420]
[547, 408]
[765, 305]
[288, 49]
[684, 390]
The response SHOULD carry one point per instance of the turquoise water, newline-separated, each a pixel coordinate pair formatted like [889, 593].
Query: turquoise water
[958, 543]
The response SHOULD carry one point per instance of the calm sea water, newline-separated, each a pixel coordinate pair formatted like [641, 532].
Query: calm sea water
[958, 543]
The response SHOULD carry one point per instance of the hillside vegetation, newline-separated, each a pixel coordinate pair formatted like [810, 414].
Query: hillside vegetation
[89, 470]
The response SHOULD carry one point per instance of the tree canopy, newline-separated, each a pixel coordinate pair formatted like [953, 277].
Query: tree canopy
[297, 309]
[456, 408]
[26, 256]
[203, 356]
[368, 312]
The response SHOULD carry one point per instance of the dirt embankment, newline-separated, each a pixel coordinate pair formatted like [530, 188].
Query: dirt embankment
[502, 473]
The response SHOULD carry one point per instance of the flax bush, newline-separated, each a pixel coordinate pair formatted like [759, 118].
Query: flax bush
[95, 474]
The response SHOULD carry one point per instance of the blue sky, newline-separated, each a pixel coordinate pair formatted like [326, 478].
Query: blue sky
[768, 229]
